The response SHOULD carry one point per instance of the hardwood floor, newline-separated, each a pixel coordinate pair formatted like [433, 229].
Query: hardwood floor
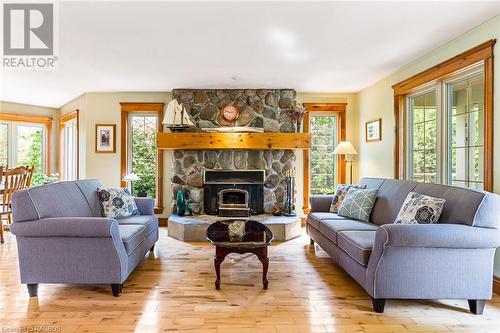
[173, 290]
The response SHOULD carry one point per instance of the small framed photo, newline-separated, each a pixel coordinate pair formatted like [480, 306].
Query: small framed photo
[373, 130]
[105, 138]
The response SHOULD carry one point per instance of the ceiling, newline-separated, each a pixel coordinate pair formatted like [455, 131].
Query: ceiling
[308, 46]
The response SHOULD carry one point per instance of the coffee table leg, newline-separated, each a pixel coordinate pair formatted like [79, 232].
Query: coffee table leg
[220, 255]
[265, 265]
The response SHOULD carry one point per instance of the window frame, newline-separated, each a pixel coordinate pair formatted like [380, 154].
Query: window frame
[481, 54]
[333, 108]
[337, 130]
[13, 120]
[129, 138]
[139, 107]
[72, 117]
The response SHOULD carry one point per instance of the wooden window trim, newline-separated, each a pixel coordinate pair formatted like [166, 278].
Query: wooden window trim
[480, 53]
[62, 122]
[46, 121]
[338, 109]
[132, 107]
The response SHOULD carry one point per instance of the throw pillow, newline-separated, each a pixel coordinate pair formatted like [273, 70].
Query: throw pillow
[418, 208]
[340, 195]
[358, 204]
[117, 202]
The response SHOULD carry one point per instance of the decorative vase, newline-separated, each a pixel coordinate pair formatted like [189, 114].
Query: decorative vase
[299, 126]
[181, 203]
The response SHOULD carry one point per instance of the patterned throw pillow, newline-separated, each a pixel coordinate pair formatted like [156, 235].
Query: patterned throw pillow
[358, 204]
[340, 195]
[419, 209]
[117, 202]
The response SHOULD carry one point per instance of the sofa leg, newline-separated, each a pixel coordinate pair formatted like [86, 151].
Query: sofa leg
[311, 241]
[378, 304]
[32, 289]
[152, 248]
[117, 289]
[476, 306]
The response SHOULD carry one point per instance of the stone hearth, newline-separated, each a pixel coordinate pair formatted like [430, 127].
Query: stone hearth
[194, 228]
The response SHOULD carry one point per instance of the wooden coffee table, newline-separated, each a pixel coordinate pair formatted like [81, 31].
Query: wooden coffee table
[240, 236]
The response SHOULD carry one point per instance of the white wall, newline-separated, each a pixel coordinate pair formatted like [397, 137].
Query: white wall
[376, 101]
[34, 110]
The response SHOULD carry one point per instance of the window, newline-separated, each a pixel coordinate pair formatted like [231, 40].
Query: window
[446, 131]
[139, 124]
[24, 144]
[68, 143]
[4, 144]
[423, 137]
[70, 150]
[466, 131]
[142, 153]
[463, 125]
[324, 140]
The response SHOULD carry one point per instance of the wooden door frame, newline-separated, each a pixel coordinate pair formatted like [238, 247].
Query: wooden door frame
[133, 107]
[482, 53]
[339, 110]
[62, 122]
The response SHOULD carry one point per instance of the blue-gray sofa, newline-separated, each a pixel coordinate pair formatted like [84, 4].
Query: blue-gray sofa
[62, 236]
[452, 259]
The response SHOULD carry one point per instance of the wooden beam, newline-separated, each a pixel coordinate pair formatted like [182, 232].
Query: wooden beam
[67, 117]
[306, 169]
[333, 107]
[26, 119]
[233, 140]
[458, 62]
[142, 107]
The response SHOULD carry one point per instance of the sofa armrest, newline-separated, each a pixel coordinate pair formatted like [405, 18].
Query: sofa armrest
[97, 227]
[320, 203]
[439, 236]
[146, 206]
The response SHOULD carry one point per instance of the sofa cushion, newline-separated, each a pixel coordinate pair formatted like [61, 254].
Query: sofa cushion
[358, 204]
[419, 209]
[132, 236]
[330, 228]
[358, 244]
[117, 202]
[149, 221]
[390, 197]
[461, 203]
[340, 194]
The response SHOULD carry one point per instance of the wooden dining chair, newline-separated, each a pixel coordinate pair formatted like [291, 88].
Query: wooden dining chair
[13, 180]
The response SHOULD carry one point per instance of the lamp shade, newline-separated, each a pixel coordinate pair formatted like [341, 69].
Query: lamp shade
[345, 148]
[131, 177]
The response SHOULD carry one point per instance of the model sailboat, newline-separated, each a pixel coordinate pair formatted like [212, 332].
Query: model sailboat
[176, 118]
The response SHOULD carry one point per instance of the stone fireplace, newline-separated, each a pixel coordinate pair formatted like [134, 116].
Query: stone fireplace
[265, 108]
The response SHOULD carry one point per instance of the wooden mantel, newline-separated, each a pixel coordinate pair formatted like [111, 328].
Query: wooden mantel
[200, 140]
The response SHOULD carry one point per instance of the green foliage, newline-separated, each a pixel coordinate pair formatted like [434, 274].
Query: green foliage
[144, 154]
[323, 129]
[34, 147]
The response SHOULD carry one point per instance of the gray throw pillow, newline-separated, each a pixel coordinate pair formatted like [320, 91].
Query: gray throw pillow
[420, 209]
[117, 202]
[340, 194]
[358, 204]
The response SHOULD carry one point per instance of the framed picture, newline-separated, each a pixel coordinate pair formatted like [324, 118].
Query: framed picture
[373, 130]
[105, 138]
